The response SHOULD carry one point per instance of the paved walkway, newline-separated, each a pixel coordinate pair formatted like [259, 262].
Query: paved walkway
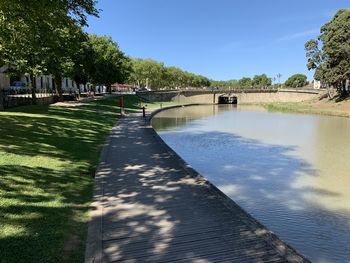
[149, 207]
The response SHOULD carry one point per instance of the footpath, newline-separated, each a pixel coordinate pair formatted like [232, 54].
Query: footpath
[150, 207]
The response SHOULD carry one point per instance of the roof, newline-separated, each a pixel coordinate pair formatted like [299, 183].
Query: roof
[121, 85]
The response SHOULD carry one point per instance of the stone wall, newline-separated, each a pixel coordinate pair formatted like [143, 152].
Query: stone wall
[243, 97]
[11, 101]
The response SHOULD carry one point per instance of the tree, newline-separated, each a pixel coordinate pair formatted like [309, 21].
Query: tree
[296, 81]
[245, 82]
[154, 74]
[331, 62]
[65, 46]
[111, 65]
[150, 73]
[316, 60]
[175, 77]
[225, 83]
[43, 11]
[83, 61]
[29, 33]
[261, 81]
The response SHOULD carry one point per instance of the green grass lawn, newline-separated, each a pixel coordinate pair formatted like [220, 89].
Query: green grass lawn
[288, 107]
[48, 155]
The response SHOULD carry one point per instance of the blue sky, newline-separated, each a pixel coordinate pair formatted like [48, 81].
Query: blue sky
[220, 39]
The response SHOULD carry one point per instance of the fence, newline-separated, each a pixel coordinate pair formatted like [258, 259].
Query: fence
[19, 97]
[12, 97]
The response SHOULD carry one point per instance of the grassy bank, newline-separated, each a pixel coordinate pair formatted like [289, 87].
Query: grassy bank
[312, 107]
[48, 155]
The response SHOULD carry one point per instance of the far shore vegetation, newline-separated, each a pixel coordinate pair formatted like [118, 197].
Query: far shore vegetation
[320, 107]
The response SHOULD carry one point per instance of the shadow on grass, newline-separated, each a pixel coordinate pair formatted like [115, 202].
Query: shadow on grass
[48, 155]
[43, 212]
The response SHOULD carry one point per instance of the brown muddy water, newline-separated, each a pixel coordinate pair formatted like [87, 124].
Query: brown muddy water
[290, 171]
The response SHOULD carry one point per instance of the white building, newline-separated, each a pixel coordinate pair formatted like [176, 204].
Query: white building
[44, 83]
[317, 84]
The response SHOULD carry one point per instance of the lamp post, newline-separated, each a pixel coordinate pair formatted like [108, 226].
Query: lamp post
[121, 105]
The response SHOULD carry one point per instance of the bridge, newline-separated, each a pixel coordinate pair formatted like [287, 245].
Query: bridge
[240, 96]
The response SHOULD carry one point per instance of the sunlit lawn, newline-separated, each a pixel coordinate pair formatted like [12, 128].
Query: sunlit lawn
[48, 155]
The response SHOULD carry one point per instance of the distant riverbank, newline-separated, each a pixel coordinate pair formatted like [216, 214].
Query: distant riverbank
[320, 107]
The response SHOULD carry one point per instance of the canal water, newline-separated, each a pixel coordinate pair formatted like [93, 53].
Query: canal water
[289, 171]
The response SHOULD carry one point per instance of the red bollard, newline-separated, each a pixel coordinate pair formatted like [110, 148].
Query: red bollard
[121, 104]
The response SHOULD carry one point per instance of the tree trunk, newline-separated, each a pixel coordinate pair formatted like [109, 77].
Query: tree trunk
[330, 93]
[89, 90]
[78, 87]
[109, 88]
[2, 97]
[58, 81]
[33, 80]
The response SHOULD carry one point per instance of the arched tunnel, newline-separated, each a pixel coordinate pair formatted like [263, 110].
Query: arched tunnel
[227, 99]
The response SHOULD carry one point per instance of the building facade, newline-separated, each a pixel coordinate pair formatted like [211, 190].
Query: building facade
[44, 83]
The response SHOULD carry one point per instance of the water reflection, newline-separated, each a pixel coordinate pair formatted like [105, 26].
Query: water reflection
[179, 117]
[289, 171]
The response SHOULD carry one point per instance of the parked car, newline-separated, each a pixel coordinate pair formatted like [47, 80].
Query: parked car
[145, 89]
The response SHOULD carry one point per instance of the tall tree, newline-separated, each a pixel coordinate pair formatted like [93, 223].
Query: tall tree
[83, 61]
[65, 47]
[332, 61]
[261, 81]
[29, 32]
[225, 83]
[147, 72]
[154, 74]
[111, 65]
[296, 81]
[175, 77]
[245, 82]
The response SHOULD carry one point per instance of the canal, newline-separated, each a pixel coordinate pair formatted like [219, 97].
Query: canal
[290, 171]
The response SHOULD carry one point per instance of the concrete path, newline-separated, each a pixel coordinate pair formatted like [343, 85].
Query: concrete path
[148, 207]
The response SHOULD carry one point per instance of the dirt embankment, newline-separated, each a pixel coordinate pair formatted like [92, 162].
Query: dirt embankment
[324, 106]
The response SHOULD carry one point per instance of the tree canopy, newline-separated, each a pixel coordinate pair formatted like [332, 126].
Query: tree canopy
[261, 81]
[296, 81]
[111, 65]
[225, 83]
[41, 37]
[329, 55]
[154, 74]
[245, 82]
[29, 32]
